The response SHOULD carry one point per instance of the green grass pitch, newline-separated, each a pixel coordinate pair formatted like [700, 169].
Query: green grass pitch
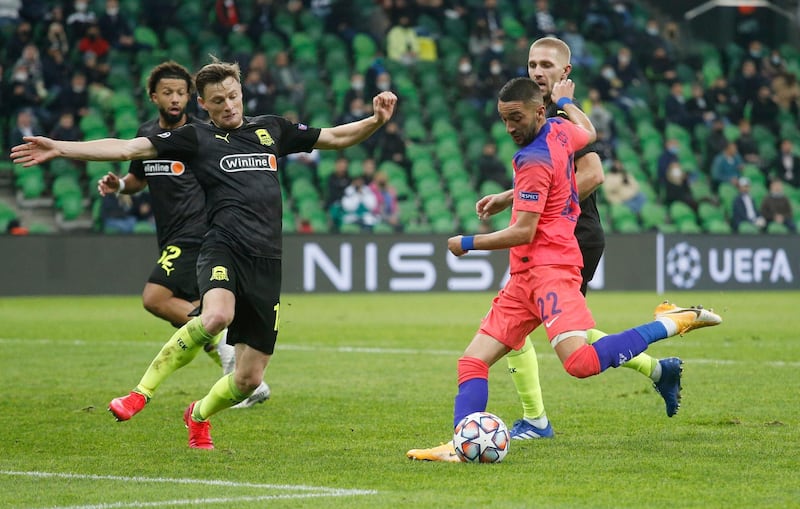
[359, 379]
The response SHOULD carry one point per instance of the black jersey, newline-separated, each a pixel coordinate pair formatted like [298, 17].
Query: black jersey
[238, 170]
[588, 230]
[177, 199]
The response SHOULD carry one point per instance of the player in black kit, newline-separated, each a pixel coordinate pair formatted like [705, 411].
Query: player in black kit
[171, 291]
[239, 268]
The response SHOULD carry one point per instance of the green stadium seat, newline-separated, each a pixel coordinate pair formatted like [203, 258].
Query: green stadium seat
[652, 215]
[749, 229]
[146, 35]
[718, 227]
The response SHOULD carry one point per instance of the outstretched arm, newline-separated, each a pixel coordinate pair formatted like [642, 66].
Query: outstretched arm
[39, 149]
[346, 135]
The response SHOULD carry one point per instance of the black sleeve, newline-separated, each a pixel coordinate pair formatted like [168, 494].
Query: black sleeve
[296, 137]
[180, 144]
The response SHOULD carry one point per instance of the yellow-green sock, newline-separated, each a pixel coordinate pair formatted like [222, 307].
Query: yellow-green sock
[222, 395]
[181, 348]
[642, 363]
[524, 369]
[211, 348]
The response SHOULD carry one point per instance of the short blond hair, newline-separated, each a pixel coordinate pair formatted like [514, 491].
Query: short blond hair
[557, 44]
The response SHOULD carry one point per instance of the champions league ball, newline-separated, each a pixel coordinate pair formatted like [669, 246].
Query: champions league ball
[481, 437]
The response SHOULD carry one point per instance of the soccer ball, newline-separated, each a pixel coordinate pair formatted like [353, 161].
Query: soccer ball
[481, 437]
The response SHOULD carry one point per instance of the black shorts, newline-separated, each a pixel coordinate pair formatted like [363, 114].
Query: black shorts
[591, 259]
[256, 283]
[176, 270]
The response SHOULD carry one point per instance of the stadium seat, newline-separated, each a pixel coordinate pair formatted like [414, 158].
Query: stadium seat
[748, 228]
[652, 215]
[718, 227]
[146, 35]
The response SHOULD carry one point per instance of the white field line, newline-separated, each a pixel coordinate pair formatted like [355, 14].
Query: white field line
[380, 351]
[305, 491]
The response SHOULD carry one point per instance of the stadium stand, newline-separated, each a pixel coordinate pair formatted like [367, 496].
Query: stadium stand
[332, 45]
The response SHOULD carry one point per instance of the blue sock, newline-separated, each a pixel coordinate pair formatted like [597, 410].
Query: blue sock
[616, 349]
[473, 395]
[652, 332]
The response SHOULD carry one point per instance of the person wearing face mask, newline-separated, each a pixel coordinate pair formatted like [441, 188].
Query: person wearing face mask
[116, 30]
[93, 42]
[75, 97]
[80, 20]
[467, 82]
[493, 78]
[356, 89]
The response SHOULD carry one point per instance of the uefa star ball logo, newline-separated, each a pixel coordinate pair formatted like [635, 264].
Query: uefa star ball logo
[683, 265]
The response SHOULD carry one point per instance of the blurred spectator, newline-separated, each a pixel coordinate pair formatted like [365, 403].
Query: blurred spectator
[27, 89]
[746, 84]
[479, 38]
[142, 208]
[597, 22]
[359, 204]
[649, 40]
[672, 148]
[764, 110]
[391, 145]
[541, 23]
[66, 129]
[227, 18]
[117, 214]
[603, 146]
[722, 98]
[491, 15]
[490, 167]
[401, 41]
[337, 182]
[675, 110]
[776, 207]
[626, 70]
[257, 94]
[660, 67]
[787, 164]
[57, 37]
[516, 61]
[356, 110]
[383, 83]
[595, 108]
[387, 209]
[80, 20]
[787, 93]
[356, 89]
[492, 79]
[698, 108]
[580, 56]
[262, 19]
[676, 187]
[56, 71]
[93, 42]
[620, 187]
[716, 141]
[25, 125]
[773, 65]
[21, 37]
[495, 51]
[95, 68]
[609, 86]
[368, 170]
[744, 208]
[467, 83]
[75, 98]
[287, 78]
[116, 30]
[747, 144]
[726, 167]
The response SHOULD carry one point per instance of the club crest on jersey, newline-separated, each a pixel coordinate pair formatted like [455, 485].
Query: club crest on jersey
[264, 138]
[224, 138]
[528, 196]
[153, 167]
[219, 273]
